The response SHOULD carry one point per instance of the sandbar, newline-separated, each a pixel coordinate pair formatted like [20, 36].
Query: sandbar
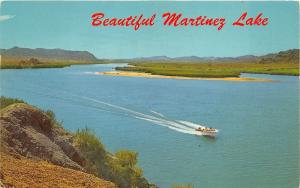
[148, 75]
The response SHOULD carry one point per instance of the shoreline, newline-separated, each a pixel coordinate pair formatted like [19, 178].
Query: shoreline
[149, 75]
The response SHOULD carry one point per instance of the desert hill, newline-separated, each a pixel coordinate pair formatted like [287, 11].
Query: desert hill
[47, 54]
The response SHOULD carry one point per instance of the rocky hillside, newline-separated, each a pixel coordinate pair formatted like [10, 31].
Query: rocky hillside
[32, 139]
[47, 54]
[28, 132]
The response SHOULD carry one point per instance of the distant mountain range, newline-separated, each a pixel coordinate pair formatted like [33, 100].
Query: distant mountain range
[192, 58]
[68, 55]
[288, 56]
[50, 54]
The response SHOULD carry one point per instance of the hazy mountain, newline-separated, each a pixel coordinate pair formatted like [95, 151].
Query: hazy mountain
[153, 58]
[282, 56]
[166, 58]
[195, 58]
[60, 54]
[52, 54]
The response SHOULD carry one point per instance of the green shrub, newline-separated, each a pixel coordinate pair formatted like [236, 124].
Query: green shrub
[119, 168]
[93, 151]
[89, 143]
[127, 158]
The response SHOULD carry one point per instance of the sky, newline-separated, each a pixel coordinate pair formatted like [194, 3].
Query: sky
[67, 25]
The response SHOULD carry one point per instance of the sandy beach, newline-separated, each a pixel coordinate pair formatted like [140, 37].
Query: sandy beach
[148, 75]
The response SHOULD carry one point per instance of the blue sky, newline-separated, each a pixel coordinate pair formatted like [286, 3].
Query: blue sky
[67, 25]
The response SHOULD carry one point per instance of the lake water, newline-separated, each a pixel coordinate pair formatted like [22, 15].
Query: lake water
[257, 145]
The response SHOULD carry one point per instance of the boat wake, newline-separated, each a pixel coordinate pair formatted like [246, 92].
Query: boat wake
[155, 117]
[156, 113]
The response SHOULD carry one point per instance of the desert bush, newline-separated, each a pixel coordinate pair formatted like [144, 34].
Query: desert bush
[119, 168]
[89, 143]
[94, 152]
[127, 158]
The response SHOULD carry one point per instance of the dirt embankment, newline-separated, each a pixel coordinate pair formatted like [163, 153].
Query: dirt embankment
[36, 152]
[27, 131]
[18, 171]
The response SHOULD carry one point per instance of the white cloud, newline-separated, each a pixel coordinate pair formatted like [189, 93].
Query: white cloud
[6, 17]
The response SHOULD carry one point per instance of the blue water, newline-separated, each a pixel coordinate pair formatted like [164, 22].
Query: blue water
[257, 145]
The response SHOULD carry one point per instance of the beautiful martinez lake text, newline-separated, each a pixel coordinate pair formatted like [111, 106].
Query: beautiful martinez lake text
[99, 19]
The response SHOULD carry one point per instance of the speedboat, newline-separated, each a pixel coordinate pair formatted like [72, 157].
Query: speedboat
[205, 131]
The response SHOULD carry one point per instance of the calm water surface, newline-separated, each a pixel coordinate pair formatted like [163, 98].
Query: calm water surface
[257, 145]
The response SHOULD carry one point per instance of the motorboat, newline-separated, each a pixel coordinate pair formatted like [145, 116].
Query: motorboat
[206, 131]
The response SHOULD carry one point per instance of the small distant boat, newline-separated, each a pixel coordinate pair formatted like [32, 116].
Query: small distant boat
[205, 131]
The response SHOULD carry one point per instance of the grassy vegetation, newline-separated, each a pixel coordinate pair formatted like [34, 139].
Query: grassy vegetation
[119, 168]
[212, 70]
[52, 117]
[5, 101]
[15, 63]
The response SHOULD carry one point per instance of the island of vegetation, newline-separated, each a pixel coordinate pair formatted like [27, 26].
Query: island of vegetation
[36, 151]
[282, 63]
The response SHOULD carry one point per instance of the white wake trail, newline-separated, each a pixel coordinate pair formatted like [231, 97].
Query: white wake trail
[180, 126]
[159, 121]
[157, 113]
[166, 123]
[183, 131]
[190, 124]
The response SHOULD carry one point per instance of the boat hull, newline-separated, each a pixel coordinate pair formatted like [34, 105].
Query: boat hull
[205, 133]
